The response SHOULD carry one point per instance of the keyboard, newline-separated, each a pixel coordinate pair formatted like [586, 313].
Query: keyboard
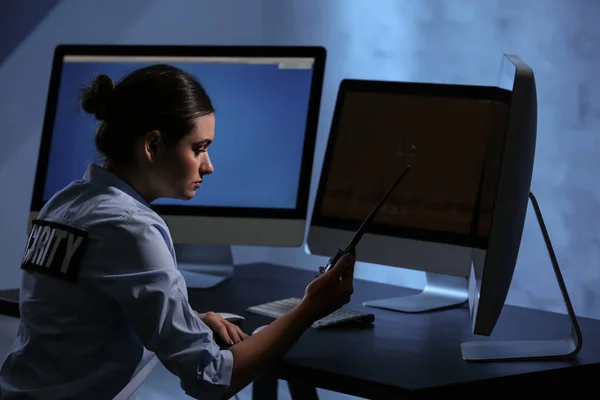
[276, 309]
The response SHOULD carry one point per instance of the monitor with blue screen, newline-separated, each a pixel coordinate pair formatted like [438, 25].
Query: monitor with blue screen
[266, 103]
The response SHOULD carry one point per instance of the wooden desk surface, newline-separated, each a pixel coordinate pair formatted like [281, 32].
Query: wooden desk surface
[403, 354]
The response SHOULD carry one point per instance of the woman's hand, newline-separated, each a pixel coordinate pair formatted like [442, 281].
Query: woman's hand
[230, 333]
[330, 291]
[323, 295]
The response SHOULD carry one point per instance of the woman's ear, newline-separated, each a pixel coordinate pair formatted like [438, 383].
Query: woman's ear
[152, 146]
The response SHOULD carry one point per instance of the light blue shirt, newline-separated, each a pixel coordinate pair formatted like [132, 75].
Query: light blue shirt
[86, 340]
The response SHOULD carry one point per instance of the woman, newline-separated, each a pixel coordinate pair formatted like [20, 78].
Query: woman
[110, 286]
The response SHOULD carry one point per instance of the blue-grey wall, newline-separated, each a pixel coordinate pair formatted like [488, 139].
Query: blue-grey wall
[18, 19]
[459, 41]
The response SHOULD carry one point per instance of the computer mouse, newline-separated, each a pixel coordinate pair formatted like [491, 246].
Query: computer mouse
[229, 317]
[260, 328]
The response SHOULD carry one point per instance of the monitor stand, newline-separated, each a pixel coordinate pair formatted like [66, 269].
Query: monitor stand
[532, 350]
[440, 292]
[204, 266]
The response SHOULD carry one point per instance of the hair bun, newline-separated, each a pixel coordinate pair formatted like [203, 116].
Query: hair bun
[95, 97]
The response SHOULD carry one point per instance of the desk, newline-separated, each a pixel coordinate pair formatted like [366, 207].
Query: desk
[9, 302]
[402, 355]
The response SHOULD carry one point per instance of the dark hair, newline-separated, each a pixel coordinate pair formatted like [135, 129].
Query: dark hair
[159, 97]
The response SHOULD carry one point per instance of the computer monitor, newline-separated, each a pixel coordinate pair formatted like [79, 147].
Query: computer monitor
[267, 101]
[452, 136]
[493, 266]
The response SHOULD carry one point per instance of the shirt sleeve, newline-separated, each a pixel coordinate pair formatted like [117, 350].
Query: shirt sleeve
[129, 261]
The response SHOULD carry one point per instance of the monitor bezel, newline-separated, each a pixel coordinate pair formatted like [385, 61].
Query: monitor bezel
[406, 88]
[318, 53]
[493, 269]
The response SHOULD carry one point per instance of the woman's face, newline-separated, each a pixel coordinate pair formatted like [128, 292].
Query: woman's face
[185, 164]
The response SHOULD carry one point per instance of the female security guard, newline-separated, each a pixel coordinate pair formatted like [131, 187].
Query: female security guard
[84, 340]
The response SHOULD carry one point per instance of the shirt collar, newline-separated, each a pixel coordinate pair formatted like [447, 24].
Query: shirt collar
[95, 174]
